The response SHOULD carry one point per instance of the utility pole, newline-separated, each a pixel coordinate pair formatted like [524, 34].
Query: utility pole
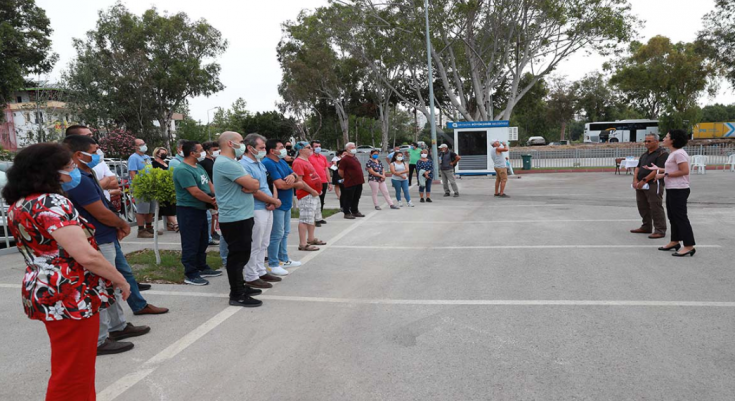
[209, 133]
[434, 151]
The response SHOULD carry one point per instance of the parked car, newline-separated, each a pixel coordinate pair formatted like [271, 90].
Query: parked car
[536, 141]
[364, 149]
[329, 154]
[560, 143]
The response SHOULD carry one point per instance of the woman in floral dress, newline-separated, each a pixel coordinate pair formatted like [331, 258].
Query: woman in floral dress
[67, 280]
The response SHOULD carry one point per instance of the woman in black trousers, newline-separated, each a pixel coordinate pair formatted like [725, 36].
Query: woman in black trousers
[676, 180]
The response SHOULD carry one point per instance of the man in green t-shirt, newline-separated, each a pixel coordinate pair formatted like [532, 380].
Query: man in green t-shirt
[415, 153]
[194, 195]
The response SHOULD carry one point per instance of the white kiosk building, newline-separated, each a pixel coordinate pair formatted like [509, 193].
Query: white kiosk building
[472, 141]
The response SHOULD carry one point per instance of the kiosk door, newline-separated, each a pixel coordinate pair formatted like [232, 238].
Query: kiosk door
[472, 146]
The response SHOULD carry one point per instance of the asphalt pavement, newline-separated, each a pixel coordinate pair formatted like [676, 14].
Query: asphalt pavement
[541, 296]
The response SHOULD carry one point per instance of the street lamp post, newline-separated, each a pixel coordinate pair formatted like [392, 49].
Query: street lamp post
[432, 119]
[209, 133]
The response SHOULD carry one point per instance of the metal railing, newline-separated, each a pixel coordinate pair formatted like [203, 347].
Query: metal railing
[605, 157]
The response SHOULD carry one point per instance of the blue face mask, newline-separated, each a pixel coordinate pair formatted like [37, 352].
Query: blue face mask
[375, 156]
[76, 178]
[95, 159]
[317, 150]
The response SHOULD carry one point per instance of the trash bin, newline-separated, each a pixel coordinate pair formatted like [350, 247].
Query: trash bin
[526, 162]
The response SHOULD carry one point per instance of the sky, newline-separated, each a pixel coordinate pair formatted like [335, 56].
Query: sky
[253, 28]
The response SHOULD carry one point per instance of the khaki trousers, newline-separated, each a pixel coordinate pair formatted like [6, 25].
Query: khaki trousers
[650, 207]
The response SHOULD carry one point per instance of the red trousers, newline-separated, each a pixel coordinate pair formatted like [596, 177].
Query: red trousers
[73, 356]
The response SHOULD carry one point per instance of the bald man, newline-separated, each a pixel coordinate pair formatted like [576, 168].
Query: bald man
[137, 162]
[234, 188]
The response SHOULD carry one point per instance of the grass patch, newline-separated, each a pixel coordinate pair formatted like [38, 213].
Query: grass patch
[325, 213]
[170, 271]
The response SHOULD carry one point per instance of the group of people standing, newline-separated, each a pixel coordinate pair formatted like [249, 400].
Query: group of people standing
[659, 170]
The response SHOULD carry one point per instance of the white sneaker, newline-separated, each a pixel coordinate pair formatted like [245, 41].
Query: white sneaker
[278, 271]
[400, 203]
[410, 204]
[290, 263]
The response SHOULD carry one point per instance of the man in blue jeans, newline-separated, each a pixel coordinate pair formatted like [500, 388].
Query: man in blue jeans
[284, 182]
[89, 199]
[194, 195]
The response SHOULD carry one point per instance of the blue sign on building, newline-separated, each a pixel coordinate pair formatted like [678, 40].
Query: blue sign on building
[478, 124]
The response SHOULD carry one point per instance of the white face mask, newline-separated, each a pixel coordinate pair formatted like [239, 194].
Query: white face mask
[101, 153]
[202, 156]
[399, 158]
[181, 153]
[353, 151]
[215, 153]
[259, 155]
[424, 156]
[283, 153]
[143, 148]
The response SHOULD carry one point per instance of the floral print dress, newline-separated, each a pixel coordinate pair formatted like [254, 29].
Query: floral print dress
[377, 167]
[55, 286]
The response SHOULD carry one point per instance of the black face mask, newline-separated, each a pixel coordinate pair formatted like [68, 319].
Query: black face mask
[288, 147]
[163, 155]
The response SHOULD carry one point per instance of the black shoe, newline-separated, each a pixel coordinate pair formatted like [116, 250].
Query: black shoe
[422, 200]
[213, 242]
[210, 273]
[110, 347]
[251, 292]
[246, 302]
[429, 200]
[143, 286]
[675, 247]
[216, 236]
[129, 331]
[349, 217]
[447, 194]
[318, 224]
[690, 253]
[322, 221]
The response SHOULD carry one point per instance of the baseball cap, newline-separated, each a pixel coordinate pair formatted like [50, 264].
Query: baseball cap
[444, 145]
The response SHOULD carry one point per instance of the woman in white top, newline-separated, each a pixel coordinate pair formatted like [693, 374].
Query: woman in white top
[399, 169]
[676, 180]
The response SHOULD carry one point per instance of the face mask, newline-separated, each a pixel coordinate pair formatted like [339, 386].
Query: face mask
[317, 150]
[375, 156]
[353, 151]
[76, 178]
[162, 155]
[288, 147]
[181, 153]
[202, 156]
[283, 154]
[260, 155]
[95, 159]
[215, 153]
[399, 158]
[424, 156]
[240, 150]
[101, 153]
[143, 149]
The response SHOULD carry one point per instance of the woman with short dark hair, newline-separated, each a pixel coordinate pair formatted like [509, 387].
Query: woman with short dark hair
[676, 180]
[66, 279]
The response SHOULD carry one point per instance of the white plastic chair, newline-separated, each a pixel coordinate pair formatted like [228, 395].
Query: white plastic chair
[731, 162]
[699, 163]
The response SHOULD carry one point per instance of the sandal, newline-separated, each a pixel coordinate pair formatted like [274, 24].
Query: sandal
[308, 248]
[316, 241]
[172, 227]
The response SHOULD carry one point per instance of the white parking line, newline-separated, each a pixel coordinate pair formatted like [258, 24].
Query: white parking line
[115, 389]
[506, 247]
[507, 221]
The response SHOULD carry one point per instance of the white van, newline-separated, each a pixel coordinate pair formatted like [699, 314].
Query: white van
[536, 140]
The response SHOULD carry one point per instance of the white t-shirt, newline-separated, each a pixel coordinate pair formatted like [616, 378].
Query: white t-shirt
[102, 171]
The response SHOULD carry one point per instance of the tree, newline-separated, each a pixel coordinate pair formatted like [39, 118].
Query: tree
[155, 184]
[595, 97]
[133, 70]
[25, 45]
[663, 78]
[717, 39]
[313, 69]
[118, 143]
[562, 103]
[483, 49]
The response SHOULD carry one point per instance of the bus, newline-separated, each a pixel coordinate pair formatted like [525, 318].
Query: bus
[619, 131]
